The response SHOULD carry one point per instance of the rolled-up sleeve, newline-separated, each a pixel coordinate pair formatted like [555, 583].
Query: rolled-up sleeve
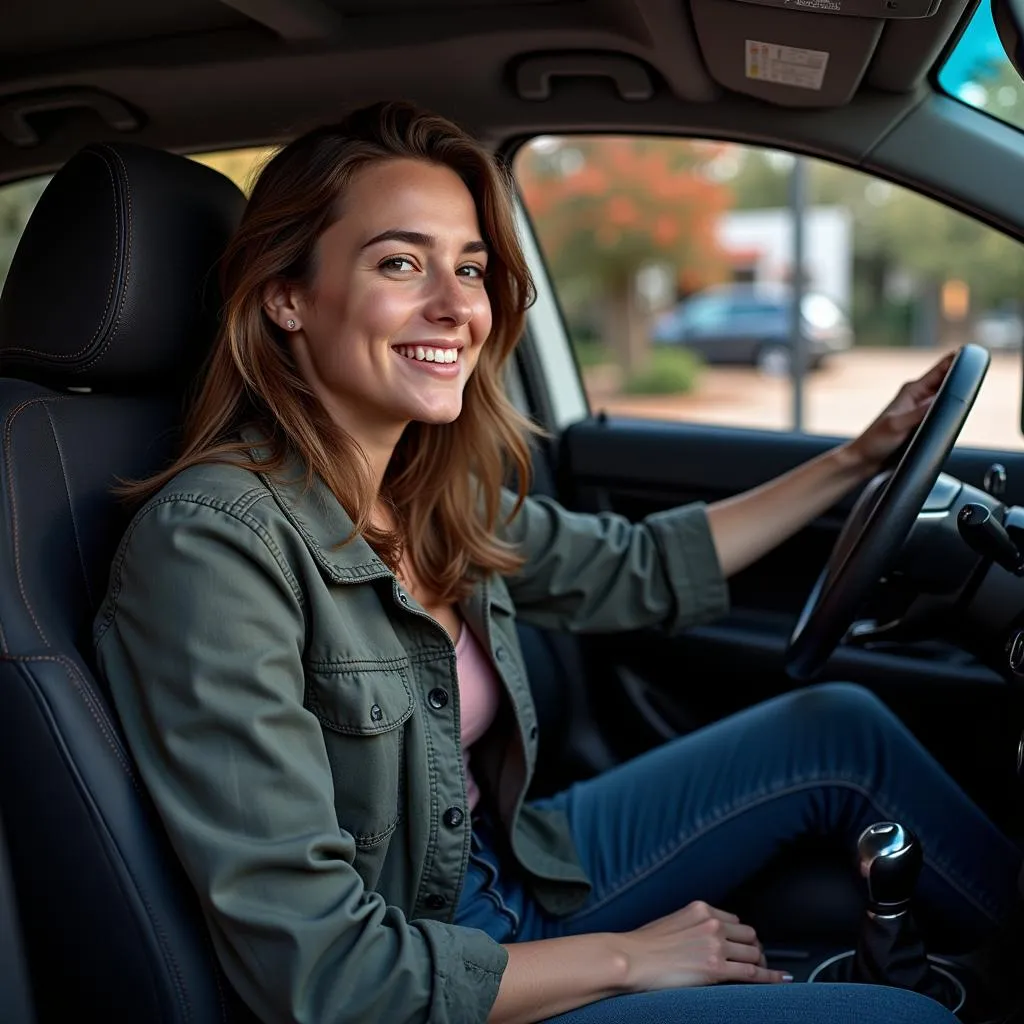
[201, 642]
[603, 573]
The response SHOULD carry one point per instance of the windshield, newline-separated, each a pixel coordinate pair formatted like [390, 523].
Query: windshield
[979, 74]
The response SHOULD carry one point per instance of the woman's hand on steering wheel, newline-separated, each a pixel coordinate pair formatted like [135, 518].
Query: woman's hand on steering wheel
[876, 528]
[891, 428]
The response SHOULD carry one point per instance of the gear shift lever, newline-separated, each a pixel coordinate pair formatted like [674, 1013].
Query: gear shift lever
[890, 950]
[890, 861]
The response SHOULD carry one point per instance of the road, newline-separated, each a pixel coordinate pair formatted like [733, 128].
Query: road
[840, 398]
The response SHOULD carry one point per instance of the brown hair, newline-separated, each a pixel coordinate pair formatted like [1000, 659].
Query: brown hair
[443, 481]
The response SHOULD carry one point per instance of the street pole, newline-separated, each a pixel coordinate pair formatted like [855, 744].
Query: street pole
[798, 359]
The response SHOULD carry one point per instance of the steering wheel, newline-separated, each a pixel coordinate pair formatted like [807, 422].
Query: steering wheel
[881, 520]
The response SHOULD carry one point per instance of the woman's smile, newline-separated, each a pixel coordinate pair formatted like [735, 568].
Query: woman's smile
[437, 359]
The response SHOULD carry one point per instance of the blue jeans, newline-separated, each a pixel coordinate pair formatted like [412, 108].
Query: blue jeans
[695, 817]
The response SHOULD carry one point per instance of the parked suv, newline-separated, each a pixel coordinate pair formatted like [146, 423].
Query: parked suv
[750, 324]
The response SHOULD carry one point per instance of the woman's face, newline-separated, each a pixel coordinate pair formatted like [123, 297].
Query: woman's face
[392, 325]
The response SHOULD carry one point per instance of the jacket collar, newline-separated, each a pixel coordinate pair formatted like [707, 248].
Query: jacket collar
[320, 519]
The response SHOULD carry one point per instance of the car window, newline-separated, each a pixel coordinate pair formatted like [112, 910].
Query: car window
[17, 201]
[978, 72]
[240, 165]
[752, 307]
[642, 234]
[706, 313]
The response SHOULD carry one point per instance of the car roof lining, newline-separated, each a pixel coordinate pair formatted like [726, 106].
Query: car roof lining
[201, 75]
[212, 73]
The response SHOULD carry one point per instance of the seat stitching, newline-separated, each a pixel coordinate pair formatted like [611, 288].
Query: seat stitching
[96, 709]
[212, 953]
[98, 355]
[71, 507]
[15, 412]
[110, 291]
[98, 712]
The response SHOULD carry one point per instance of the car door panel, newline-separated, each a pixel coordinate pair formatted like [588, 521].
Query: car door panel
[654, 687]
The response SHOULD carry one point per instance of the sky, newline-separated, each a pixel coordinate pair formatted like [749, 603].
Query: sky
[978, 45]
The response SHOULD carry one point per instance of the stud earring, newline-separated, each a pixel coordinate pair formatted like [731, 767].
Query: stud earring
[291, 325]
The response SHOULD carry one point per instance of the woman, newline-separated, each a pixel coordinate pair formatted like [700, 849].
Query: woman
[309, 636]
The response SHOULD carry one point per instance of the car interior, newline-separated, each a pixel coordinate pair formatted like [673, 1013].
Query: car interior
[110, 306]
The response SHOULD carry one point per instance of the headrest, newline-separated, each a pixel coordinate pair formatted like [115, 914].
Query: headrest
[113, 286]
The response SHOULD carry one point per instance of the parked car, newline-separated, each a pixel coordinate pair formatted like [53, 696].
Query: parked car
[999, 331]
[750, 325]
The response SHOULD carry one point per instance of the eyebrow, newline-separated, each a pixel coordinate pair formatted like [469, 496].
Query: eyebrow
[419, 239]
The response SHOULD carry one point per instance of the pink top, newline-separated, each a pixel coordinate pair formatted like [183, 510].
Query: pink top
[479, 696]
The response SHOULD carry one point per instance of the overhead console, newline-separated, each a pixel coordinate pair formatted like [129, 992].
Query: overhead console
[857, 8]
[804, 53]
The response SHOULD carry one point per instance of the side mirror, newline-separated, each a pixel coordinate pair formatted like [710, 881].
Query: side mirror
[1008, 16]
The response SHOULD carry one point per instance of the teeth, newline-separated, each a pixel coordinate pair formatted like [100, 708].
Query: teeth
[428, 355]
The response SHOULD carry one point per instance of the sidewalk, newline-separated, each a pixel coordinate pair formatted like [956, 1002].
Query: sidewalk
[841, 398]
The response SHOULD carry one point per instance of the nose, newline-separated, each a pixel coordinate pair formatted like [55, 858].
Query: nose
[448, 302]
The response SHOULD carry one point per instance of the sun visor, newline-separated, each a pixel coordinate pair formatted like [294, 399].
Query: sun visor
[796, 53]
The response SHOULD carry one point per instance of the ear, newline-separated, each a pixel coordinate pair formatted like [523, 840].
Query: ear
[283, 304]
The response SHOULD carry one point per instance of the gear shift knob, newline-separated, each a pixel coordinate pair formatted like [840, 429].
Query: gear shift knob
[890, 861]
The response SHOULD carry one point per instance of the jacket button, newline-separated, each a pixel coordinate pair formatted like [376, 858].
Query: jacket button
[375, 712]
[403, 598]
[438, 698]
[435, 901]
[499, 653]
[454, 817]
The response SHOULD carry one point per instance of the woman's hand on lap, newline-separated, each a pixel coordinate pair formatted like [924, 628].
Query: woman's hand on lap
[697, 945]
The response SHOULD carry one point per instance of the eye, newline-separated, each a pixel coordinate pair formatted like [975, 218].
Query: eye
[399, 263]
[472, 270]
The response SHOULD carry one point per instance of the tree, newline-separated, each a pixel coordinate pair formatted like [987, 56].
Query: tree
[605, 208]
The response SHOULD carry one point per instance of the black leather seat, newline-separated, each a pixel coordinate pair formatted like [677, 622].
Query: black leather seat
[105, 313]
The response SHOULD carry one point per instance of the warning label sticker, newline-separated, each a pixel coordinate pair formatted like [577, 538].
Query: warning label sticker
[786, 65]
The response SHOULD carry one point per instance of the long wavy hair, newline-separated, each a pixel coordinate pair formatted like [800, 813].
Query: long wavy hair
[443, 483]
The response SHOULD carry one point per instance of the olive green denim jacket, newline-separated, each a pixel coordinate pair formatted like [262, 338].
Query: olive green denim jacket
[295, 716]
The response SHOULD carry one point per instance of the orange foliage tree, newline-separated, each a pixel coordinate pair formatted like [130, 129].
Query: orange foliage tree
[604, 208]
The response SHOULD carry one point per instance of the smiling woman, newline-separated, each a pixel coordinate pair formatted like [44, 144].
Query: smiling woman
[357, 243]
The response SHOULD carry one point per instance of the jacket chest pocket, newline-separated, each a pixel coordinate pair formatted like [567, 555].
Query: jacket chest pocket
[365, 711]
